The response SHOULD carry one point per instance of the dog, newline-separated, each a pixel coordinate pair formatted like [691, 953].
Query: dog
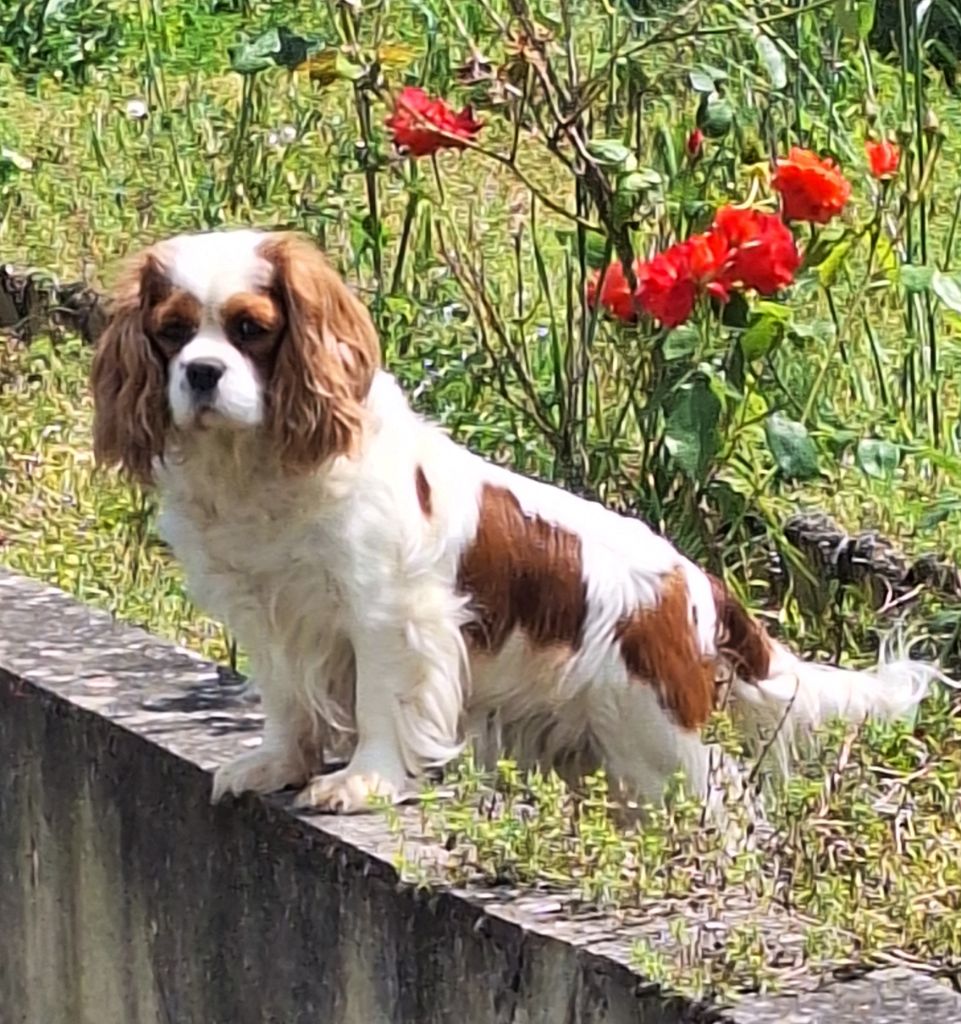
[397, 594]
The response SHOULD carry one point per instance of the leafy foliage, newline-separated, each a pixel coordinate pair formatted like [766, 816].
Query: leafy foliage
[62, 38]
[857, 863]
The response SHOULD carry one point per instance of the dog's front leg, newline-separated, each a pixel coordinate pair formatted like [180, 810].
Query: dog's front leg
[377, 767]
[408, 705]
[290, 750]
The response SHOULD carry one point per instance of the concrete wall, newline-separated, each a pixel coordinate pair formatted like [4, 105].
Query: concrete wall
[125, 898]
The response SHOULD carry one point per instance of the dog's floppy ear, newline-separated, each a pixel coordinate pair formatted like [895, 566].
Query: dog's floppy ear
[326, 360]
[128, 375]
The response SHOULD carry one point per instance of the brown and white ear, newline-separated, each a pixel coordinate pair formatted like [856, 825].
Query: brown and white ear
[326, 361]
[128, 376]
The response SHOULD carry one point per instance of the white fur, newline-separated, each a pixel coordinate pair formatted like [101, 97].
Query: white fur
[798, 696]
[344, 594]
[213, 267]
[216, 265]
[239, 398]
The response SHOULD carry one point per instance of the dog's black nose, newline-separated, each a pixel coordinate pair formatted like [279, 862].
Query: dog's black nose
[202, 376]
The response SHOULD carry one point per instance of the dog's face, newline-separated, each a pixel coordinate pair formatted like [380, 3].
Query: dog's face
[232, 331]
[216, 318]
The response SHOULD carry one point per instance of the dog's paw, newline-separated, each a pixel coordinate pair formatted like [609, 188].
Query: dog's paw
[261, 771]
[348, 792]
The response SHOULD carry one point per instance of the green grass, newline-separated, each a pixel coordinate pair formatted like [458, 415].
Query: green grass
[856, 863]
[861, 854]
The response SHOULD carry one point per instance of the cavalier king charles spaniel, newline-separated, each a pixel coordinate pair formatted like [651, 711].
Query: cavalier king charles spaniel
[398, 595]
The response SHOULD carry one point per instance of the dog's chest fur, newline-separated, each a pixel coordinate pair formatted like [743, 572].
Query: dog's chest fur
[260, 554]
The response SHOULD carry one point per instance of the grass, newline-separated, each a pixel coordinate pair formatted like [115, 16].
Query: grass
[856, 864]
[474, 268]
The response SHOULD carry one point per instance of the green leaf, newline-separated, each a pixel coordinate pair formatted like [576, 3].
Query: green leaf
[855, 18]
[866, 13]
[681, 342]
[346, 69]
[828, 268]
[714, 116]
[705, 78]
[947, 287]
[822, 331]
[664, 150]
[916, 279]
[837, 440]
[877, 458]
[771, 57]
[610, 153]
[623, 207]
[15, 159]
[628, 191]
[643, 180]
[630, 186]
[942, 508]
[691, 433]
[774, 309]
[427, 13]
[596, 250]
[820, 247]
[761, 336]
[792, 447]
[253, 55]
[295, 49]
[275, 47]
[736, 311]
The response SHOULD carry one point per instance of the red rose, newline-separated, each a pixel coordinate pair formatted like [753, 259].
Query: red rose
[811, 188]
[423, 125]
[668, 285]
[616, 295]
[884, 158]
[705, 255]
[743, 249]
[665, 292]
[763, 254]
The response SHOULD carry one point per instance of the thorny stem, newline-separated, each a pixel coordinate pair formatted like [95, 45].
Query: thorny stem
[474, 289]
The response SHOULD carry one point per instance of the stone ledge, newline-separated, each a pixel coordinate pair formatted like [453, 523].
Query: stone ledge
[125, 897]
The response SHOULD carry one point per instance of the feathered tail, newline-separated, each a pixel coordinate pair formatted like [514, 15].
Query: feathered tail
[798, 696]
[779, 697]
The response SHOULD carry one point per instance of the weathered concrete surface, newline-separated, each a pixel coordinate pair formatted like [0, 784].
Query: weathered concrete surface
[884, 996]
[125, 898]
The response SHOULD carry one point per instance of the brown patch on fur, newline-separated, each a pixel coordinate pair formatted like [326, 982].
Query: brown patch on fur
[522, 572]
[741, 640]
[262, 310]
[254, 324]
[423, 492]
[325, 360]
[128, 375]
[659, 647]
[171, 319]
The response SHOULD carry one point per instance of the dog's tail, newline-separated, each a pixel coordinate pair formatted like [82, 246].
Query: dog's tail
[778, 699]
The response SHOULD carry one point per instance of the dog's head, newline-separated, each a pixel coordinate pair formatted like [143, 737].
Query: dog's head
[232, 331]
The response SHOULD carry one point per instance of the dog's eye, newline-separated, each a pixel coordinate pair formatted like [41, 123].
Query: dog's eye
[176, 332]
[248, 329]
